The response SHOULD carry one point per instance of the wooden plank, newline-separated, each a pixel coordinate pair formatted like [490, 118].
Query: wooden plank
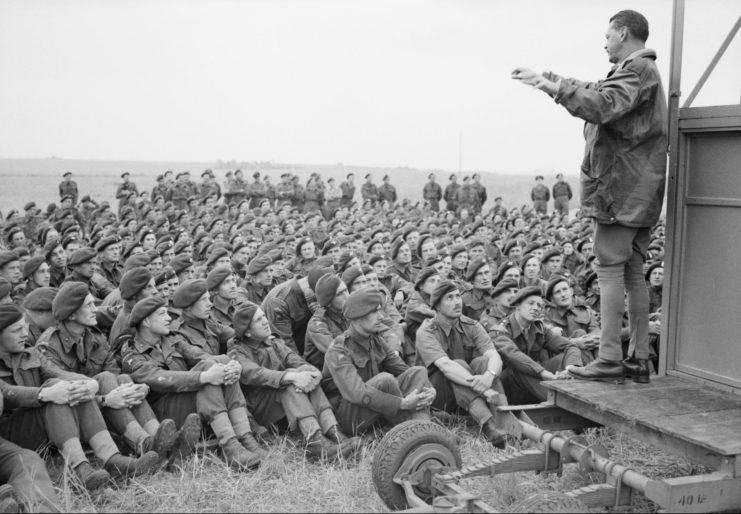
[720, 430]
[703, 493]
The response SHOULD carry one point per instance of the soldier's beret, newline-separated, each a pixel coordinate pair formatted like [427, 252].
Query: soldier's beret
[82, 256]
[504, 285]
[181, 262]
[216, 277]
[473, 267]
[29, 205]
[106, 242]
[456, 249]
[144, 308]
[504, 267]
[21, 251]
[539, 177]
[326, 289]
[591, 277]
[5, 287]
[315, 273]
[581, 243]
[163, 276]
[552, 283]
[275, 255]
[180, 246]
[69, 298]
[7, 257]
[216, 254]
[350, 275]
[441, 290]
[9, 314]
[67, 173]
[423, 275]
[525, 293]
[136, 261]
[242, 318]
[367, 175]
[653, 266]
[134, 281]
[300, 243]
[164, 246]
[189, 292]
[32, 265]
[125, 174]
[375, 258]
[363, 302]
[65, 197]
[258, 264]
[40, 299]
[325, 261]
[49, 247]
[553, 252]
[395, 247]
[532, 246]
[509, 245]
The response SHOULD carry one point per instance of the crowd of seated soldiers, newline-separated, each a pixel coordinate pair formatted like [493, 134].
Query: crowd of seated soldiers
[184, 313]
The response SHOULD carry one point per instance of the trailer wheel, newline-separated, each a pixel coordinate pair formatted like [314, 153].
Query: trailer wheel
[549, 502]
[410, 447]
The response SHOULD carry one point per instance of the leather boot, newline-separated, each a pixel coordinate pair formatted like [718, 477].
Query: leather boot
[600, 370]
[250, 443]
[260, 432]
[238, 456]
[127, 467]
[348, 444]
[187, 438]
[9, 501]
[318, 447]
[92, 478]
[637, 369]
[492, 434]
[163, 440]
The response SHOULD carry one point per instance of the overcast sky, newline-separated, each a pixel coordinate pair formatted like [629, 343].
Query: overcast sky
[367, 82]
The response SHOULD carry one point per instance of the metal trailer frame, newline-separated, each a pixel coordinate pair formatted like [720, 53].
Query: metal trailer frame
[698, 137]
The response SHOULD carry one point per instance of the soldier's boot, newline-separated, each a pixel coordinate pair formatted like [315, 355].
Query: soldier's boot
[235, 454]
[162, 441]
[239, 457]
[319, 447]
[9, 501]
[261, 433]
[127, 467]
[186, 440]
[496, 437]
[91, 477]
[347, 444]
[240, 420]
[250, 443]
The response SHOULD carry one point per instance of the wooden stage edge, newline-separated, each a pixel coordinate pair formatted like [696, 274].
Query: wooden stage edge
[681, 416]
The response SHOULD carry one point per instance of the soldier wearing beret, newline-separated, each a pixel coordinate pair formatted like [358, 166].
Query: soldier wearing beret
[222, 285]
[304, 259]
[567, 316]
[451, 194]
[209, 187]
[327, 322]
[76, 345]
[432, 193]
[259, 278]
[387, 192]
[540, 196]
[36, 274]
[68, 187]
[11, 270]
[499, 306]
[56, 257]
[109, 256]
[185, 393]
[82, 269]
[136, 284]
[37, 306]
[475, 297]
[561, 195]
[44, 403]
[278, 384]
[348, 190]
[285, 191]
[467, 197]
[125, 189]
[461, 361]
[551, 261]
[373, 381]
[480, 192]
[288, 311]
[531, 351]
[369, 191]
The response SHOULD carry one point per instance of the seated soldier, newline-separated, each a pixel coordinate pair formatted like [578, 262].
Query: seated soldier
[38, 314]
[25, 472]
[567, 316]
[478, 276]
[418, 309]
[44, 404]
[279, 384]
[461, 361]
[136, 284]
[500, 303]
[208, 389]
[531, 351]
[221, 283]
[76, 345]
[373, 381]
[327, 322]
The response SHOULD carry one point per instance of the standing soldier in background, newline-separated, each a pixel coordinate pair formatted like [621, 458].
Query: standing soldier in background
[387, 192]
[209, 186]
[257, 190]
[348, 190]
[229, 188]
[125, 189]
[333, 195]
[180, 191]
[369, 191]
[451, 194]
[499, 208]
[68, 187]
[540, 196]
[561, 195]
[467, 197]
[160, 189]
[481, 191]
[284, 192]
[433, 193]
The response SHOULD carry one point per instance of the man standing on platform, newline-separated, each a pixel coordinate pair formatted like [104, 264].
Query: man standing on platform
[623, 178]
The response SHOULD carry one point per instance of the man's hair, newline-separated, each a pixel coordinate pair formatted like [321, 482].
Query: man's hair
[636, 23]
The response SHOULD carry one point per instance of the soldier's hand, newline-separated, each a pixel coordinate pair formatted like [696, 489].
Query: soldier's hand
[415, 400]
[398, 299]
[116, 399]
[495, 398]
[480, 383]
[80, 391]
[303, 381]
[214, 375]
[57, 393]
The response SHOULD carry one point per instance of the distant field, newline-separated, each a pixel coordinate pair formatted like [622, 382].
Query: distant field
[37, 179]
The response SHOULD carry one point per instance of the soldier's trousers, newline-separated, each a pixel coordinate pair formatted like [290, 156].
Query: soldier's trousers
[561, 205]
[25, 471]
[354, 418]
[522, 389]
[451, 395]
[540, 206]
[272, 405]
[208, 401]
[134, 423]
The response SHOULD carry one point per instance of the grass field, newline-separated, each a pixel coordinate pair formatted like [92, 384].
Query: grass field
[287, 482]
[37, 179]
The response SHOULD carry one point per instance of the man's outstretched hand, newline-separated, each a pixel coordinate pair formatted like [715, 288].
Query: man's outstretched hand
[529, 77]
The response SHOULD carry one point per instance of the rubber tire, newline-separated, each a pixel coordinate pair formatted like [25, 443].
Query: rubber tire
[396, 445]
[549, 502]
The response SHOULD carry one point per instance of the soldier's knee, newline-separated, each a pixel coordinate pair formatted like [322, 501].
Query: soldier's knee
[106, 381]
[124, 379]
[385, 381]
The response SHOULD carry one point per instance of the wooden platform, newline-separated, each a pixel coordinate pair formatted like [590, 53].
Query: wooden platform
[678, 415]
